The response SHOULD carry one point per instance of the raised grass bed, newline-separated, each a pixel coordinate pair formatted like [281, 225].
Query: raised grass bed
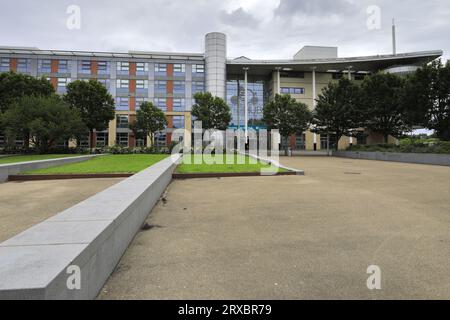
[108, 166]
[202, 166]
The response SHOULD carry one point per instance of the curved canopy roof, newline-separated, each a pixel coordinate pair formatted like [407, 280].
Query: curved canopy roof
[356, 64]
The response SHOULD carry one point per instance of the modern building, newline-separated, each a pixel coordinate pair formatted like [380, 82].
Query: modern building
[170, 80]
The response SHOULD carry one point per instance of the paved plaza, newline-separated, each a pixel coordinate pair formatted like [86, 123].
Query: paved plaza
[296, 237]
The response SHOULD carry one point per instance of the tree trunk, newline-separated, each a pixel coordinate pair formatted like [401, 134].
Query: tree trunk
[91, 140]
[26, 140]
[386, 138]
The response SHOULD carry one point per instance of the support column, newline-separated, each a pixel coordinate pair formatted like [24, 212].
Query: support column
[246, 101]
[350, 73]
[314, 100]
[278, 86]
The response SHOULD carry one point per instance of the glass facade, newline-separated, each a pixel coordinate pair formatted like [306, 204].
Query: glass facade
[257, 96]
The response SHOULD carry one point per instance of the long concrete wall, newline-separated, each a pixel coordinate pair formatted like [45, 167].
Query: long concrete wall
[420, 158]
[14, 168]
[91, 236]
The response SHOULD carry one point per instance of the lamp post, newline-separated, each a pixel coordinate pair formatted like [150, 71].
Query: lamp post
[246, 101]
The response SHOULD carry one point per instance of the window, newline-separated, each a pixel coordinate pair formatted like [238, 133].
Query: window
[122, 139]
[4, 64]
[287, 90]
[103, 67]
[63, 66]
[161, 68]
[123, 67]
[141, 68]
[179, 68]
[337, 76]
[122, 104]
[122, 121]
[300, 142]
[62, 84]
[324, 142]
[160, 139]
[359, 76]
[161, 103]
[198, 69]
[141, 141]
[141, 84]
[179, 87]
[123, 86]
[23, 65]
[161, 86]
[178, 122]
[102, 139]
[84, 67]
[179, 105]
[198, 87]
[105, 83]
[45, 66]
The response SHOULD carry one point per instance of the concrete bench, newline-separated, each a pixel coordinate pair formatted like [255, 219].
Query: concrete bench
[92, 236]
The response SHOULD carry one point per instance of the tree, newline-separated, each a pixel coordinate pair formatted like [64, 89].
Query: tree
[46, 119]
[427, 98]
[384, 109]
[287, 115]
[14, 86]
[94, 103]
[338, 109]
[149, 120]
[213, 112]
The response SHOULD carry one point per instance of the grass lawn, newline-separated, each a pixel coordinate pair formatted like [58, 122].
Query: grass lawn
[24, 158]
[129, 163]
[222, 168]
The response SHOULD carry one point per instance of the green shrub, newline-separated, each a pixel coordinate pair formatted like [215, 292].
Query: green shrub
[135, 150]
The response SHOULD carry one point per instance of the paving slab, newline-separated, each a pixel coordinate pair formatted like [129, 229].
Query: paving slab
[24, 204]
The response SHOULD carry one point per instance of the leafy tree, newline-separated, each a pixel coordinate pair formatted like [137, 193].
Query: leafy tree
[14, 86]
[149, 120]
[338, 109]
[95, 104]
[46, 119]
[287, 115]
[213, 112]
[427, 98]
[384, 109]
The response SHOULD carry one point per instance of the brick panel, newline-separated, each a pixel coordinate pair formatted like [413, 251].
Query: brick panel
[13, 64]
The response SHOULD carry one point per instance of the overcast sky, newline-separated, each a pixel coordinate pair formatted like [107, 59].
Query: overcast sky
[256, 28]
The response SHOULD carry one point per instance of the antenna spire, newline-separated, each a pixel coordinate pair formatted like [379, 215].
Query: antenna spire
[394, 44]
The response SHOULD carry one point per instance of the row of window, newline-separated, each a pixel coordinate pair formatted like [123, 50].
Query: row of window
[103, 67]
[292, 90]
[123, 104]
[123, 85]
[122, 122]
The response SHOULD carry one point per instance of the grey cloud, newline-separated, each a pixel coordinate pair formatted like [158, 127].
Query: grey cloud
[313, 7]
[239, 18]
[180, 25]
